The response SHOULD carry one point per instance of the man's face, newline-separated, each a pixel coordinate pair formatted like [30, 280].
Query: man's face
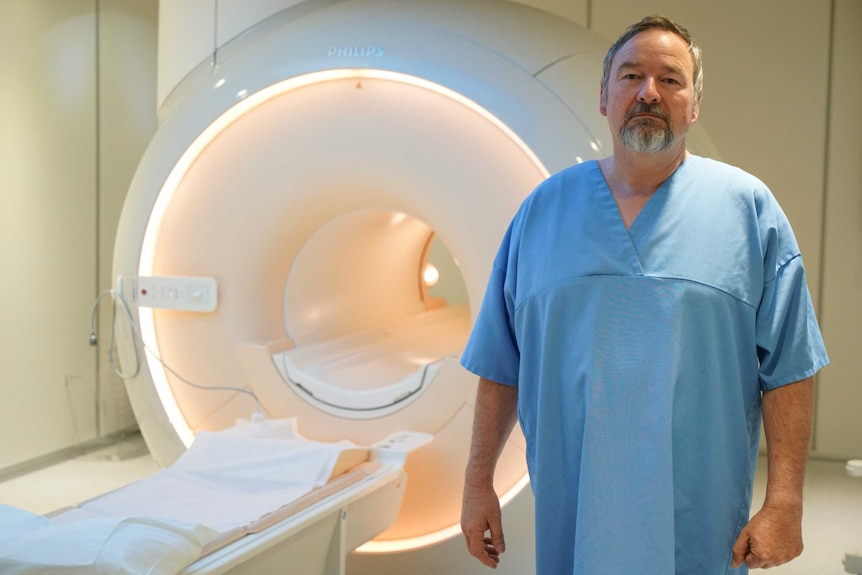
[649, 101]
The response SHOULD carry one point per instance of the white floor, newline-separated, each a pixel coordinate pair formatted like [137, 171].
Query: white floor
[832, 525]
[79, 479]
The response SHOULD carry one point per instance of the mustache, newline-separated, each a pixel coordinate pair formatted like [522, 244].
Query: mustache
[644, 108]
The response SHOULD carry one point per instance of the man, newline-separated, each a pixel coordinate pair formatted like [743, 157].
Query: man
[642, 313]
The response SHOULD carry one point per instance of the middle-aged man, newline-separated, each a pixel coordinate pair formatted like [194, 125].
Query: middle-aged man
[642, 313]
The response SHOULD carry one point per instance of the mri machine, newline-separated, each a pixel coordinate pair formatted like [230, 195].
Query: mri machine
[276, 234]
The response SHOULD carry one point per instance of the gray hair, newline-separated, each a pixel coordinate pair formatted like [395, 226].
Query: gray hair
[657, 23]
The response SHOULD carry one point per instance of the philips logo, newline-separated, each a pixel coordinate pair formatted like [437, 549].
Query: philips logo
[356, 52]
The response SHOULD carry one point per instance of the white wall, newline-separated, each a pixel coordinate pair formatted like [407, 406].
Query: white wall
[128, 32]
[839, 425]
[47, 225]
[77, 106]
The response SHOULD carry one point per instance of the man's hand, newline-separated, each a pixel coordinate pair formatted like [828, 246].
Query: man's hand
[480, 512]
[495, 415]
[772, 537]
[774, 534]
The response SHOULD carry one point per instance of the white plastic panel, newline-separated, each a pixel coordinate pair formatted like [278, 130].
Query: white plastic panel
[179, 293]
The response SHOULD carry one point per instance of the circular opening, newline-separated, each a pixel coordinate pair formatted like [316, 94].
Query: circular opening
[369, 333]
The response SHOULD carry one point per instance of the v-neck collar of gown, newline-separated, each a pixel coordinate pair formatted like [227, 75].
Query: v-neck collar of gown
[640, 227]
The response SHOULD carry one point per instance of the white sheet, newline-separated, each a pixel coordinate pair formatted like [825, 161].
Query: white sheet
[158, 526]
[226, 479]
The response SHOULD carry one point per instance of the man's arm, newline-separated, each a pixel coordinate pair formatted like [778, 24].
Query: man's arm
[774, 534]
[495, 415]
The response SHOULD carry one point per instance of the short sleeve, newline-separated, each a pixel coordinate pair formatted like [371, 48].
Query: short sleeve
[492, 350]
[789, 344]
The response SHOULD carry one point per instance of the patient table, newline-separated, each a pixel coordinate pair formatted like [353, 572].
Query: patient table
[256, 498]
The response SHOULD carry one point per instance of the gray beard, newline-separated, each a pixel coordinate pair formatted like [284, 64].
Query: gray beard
[646, 138]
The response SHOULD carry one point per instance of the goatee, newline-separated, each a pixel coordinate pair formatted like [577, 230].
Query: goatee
[645, 135]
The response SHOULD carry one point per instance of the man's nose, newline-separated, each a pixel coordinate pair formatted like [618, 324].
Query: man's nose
[648, 91]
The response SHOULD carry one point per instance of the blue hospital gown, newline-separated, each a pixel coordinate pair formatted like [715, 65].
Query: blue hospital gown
[640, 356]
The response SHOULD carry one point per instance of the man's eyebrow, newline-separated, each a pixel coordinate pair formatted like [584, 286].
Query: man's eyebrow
[630, 64]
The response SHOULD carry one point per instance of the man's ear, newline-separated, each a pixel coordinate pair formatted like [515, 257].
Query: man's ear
[603, 101]
[695, 113]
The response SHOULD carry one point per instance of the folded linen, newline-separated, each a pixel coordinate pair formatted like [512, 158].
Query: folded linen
[33, 545]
